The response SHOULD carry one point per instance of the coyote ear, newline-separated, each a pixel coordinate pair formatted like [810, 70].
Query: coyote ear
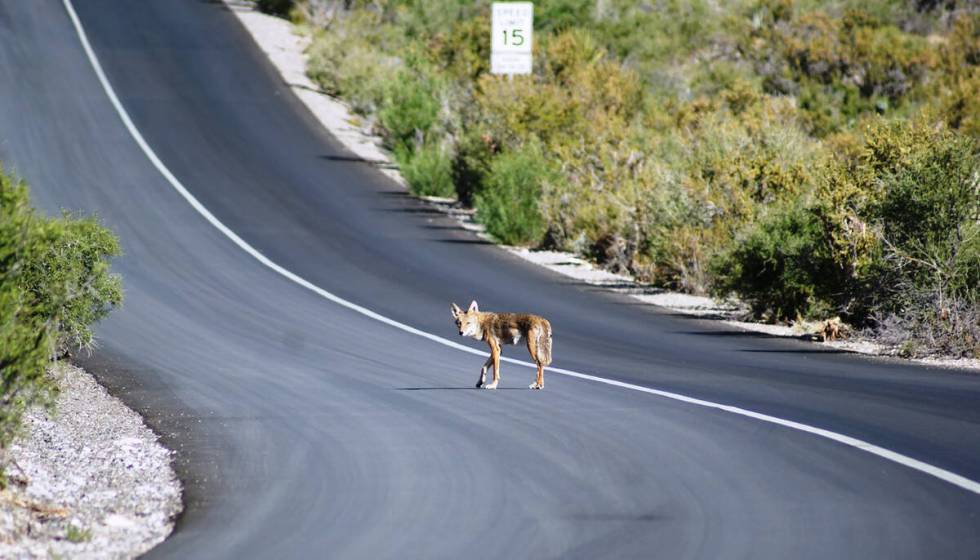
[456, 310]
[473, 307]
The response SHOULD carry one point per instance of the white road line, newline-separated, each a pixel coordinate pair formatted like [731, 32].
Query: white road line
[926, 468]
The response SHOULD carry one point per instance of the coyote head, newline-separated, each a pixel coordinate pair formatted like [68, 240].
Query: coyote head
[468, 322]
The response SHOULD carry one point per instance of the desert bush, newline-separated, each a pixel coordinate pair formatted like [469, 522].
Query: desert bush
[558, 15]
[894, 224]
[513, 111]
[503, 115]
[344, 62]
[422, 21]
[676, 225]
[895, 214]
[782, 267]
[650, 36]
[735, 155]
[508, 203]
[959, 104]
[410, 109]
[956, 89]
[575, 61]
[900, 209]
[26, 336]
[26, 347]
[428, 170]
[475, 149]
[68, 277]
[598, 206]
[464, 51]
[754, 158]
[928, 215]
[54, 283]
[926, 326]
[842, 62]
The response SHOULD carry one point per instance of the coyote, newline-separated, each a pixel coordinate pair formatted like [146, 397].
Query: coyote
[506, 328]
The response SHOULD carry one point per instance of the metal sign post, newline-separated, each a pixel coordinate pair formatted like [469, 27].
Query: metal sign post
[512, 28]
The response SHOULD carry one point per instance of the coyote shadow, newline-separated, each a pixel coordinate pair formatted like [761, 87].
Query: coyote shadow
[458, 389]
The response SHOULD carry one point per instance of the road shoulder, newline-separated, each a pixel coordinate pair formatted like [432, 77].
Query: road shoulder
[86, 480]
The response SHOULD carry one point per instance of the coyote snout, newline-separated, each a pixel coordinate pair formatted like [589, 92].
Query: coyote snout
[505, 328]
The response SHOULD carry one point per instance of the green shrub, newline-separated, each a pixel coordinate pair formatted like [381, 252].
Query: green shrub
[658, 34]
[346, 64]
[68, 277]
[511, 112]
[508, 202]
[895, 221]
[464, 51]
[959, 104]
[54, 283]
[730, 158]
[601, 205]
[568, 52]
[928, 214]
[428, 170]
[898, 209]
[757, 157]
[782, 268]
[956, 89]
[409, 110]
[678, 231]
[558, 15]
[27, 338]
[842, 61]
[26, 346]
[423, 20]
[475, 150]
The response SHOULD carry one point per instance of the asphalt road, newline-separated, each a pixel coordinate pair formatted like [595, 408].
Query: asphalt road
[303, 428]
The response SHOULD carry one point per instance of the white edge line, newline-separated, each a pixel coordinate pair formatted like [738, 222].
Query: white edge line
[942, 474]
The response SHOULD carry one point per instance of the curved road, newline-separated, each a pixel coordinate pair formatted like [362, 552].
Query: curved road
[303, 428]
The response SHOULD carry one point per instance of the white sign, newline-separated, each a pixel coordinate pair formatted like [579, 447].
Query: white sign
[513, 24]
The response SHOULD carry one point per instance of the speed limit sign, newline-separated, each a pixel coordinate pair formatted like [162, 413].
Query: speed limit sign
[513, 24]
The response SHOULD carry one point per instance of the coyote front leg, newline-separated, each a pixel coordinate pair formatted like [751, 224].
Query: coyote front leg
[495, 358]
[483, 372]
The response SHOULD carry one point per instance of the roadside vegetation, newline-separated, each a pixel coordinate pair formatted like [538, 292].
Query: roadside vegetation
[54, 283]
[813, 158]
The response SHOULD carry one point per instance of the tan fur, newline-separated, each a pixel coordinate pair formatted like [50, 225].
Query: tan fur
[497, 329]
[833, 329]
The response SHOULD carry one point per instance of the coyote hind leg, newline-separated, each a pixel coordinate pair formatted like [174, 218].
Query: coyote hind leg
[532, 347]
[539, 383]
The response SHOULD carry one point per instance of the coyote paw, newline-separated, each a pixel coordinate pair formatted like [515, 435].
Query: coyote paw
[490, 386]
[535, 386]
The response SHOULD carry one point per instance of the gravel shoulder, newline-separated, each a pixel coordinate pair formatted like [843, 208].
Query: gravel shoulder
[89, 480]
[286, 48]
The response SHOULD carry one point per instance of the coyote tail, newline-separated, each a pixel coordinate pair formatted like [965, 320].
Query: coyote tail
[544, 344]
